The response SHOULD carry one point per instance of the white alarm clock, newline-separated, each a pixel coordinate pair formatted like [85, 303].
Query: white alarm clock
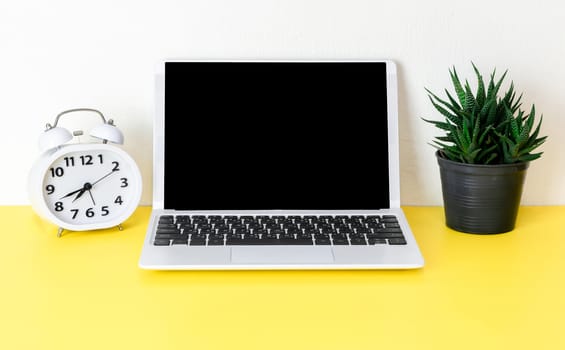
[84, 186]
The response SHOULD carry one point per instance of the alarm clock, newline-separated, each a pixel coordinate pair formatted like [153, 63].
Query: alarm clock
[84, 186]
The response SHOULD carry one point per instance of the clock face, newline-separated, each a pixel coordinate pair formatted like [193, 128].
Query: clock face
[90, 187]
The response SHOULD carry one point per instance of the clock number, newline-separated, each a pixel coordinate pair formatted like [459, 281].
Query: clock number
[86, 160]
[124, 182]
[69, 161]
[118, 200]
[50, 189]
[57, 172]
[116, 166]
[89, 212]
[101, 159]
[59, 206]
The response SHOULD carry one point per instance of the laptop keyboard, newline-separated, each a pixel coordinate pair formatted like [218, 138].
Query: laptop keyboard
[198, 230]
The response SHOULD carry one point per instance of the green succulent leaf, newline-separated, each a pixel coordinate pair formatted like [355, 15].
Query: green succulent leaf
[470, 101]
[439, 124]
[453, 102]
[457, 86]
[481, 95]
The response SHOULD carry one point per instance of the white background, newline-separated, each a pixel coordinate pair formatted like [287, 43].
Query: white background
[61, 54]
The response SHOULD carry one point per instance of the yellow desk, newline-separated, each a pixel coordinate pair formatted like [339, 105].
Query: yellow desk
[85, 291]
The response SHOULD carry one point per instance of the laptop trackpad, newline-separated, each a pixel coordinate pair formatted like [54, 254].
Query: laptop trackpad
[281, 255]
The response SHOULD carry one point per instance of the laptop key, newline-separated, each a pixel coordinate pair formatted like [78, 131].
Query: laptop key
[215, 219]
[168, 231]
[216, 241]
[199, 219]
[269, 241]
[232, 219]
[169, 219]
[161, 242]
[179, 241]
[389, 230]
[166, 226]
[323, 241]
[241, 241]
[340, 241]
[182, 219]
[206, 231]
[197, 241]
[375, 241]
[389, 219]
[394, 235]
[358, 241]
[396, 241]
[296, 241]
[168, 235]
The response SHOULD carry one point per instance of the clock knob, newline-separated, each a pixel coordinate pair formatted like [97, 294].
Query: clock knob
[108, 132]
[53, 137]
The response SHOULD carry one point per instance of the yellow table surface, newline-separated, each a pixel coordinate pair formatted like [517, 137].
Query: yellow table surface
[85, 291]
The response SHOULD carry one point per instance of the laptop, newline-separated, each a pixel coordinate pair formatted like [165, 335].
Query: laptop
[277, 164]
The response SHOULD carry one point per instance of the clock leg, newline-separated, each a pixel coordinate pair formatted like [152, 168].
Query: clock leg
[120, 227]
[60, 232]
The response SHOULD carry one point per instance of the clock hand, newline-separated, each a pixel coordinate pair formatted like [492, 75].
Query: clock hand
[72, 193]
[87, 186]
[103, 177]
[79, 194]
[90, 193]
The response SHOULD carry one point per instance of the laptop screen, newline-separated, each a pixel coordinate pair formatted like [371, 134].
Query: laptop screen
[275, 135]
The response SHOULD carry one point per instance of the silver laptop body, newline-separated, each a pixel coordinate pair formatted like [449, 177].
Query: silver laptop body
[310, 143]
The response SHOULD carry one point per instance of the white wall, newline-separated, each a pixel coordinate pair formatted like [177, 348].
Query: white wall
[61, 54]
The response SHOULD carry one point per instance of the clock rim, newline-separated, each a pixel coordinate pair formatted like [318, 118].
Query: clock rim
[37, 174]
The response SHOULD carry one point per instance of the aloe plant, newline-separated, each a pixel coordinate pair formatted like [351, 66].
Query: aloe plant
[483, 128]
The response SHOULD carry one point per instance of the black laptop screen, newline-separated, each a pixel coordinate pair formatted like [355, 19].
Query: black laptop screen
[275, 135]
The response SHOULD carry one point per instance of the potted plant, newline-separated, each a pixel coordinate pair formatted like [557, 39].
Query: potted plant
[487, 144]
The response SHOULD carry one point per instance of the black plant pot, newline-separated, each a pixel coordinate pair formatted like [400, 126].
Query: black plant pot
[481, 199]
